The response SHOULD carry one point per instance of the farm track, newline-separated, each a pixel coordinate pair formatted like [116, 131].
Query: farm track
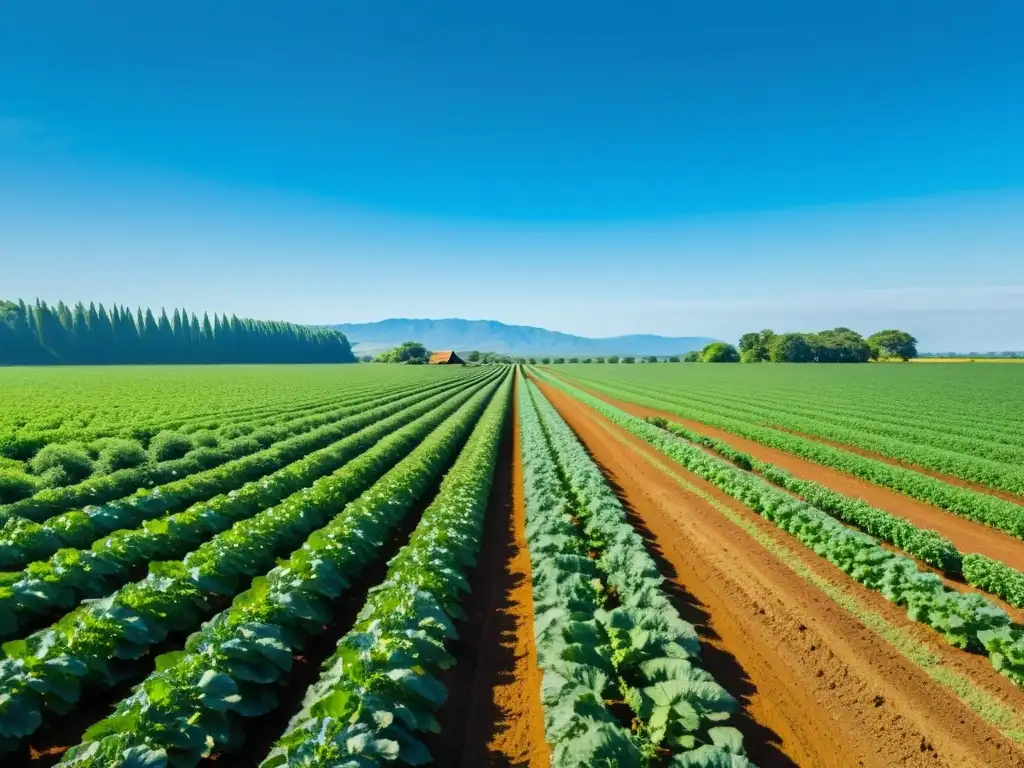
[819, 687]
[493, 715]
[966, 535]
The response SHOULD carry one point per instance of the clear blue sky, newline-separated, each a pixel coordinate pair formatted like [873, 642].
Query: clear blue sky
[678, 168]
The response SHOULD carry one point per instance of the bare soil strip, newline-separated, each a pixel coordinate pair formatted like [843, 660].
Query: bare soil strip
[819, 687]
[946, 478]
[966, 535]
[493, 716]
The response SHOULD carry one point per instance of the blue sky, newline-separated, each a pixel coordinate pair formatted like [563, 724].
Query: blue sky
[680, 168]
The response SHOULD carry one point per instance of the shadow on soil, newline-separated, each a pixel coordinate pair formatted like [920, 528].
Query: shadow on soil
[485, 651]
[762, 743]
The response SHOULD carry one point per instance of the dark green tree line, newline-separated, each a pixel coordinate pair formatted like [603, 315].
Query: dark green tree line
[61, 335]
[838, 345]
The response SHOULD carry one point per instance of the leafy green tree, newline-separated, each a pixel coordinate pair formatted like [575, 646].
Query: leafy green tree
[366, 358]
[545, 360]
[587, 360]
[629, 360]
[598, 359]
[651, 359]
[613, 359]
[839, 345]
[693, 356]
[673, 359]
[574, 359]
[473, 357]
[719, 352]
[754, 346]
[408, 352]
[533, 361]
[559, 361]
[892, 345]
[790, 348]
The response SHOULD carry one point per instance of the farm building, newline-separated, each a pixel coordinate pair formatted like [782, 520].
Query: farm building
[446, 358]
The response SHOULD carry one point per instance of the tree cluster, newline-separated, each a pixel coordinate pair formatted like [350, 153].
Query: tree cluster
[838, 345]
[492, 358]
[62, 335]
[408, 352]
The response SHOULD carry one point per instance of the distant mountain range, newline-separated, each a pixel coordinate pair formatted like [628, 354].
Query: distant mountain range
[517, 340]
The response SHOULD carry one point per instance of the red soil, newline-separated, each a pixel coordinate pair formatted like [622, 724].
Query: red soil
[818, 687]
[493, 716]
[966, 535]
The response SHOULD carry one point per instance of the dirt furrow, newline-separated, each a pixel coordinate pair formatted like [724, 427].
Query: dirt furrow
[819, 687]
[493, 715]
[966, 535]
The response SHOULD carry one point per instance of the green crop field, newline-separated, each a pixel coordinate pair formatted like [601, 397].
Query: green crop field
[965, 421]
[341, 566]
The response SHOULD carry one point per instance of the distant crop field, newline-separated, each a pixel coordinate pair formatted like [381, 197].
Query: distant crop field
[968, 360]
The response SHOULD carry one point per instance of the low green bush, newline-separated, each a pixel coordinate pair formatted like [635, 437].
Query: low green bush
[231, 431]
[63, 464]
[121, 454]
[169, 445]
[15, 485]
[205, 438]
[265, 437]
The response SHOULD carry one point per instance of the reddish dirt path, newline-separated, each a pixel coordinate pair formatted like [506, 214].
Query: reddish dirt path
[493, 716]
[966, 535]
[819, 688]
[951, 479]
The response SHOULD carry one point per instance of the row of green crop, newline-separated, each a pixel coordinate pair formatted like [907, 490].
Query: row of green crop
[934, 432]
[98, 490]
[933, 418]
[604, 628]
[926, 545]
[140, 454]
[23, 541]
[910, 395]
[84, 472]
[380, 690]
[994, 474]
[44, 588]
[22, 444]
[81, 404]
[967, 621]
[980, 507]
[48, 669]
[189, 707]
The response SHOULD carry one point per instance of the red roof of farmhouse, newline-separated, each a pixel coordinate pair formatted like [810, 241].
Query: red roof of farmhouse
[447, 357]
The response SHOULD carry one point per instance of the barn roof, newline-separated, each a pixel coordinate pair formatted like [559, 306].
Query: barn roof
[445, 356]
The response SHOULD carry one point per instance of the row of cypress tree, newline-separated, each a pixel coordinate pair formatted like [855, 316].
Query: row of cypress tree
[38, 334]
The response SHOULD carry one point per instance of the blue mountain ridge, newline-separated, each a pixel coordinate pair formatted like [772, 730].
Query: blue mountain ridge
[517, 340]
